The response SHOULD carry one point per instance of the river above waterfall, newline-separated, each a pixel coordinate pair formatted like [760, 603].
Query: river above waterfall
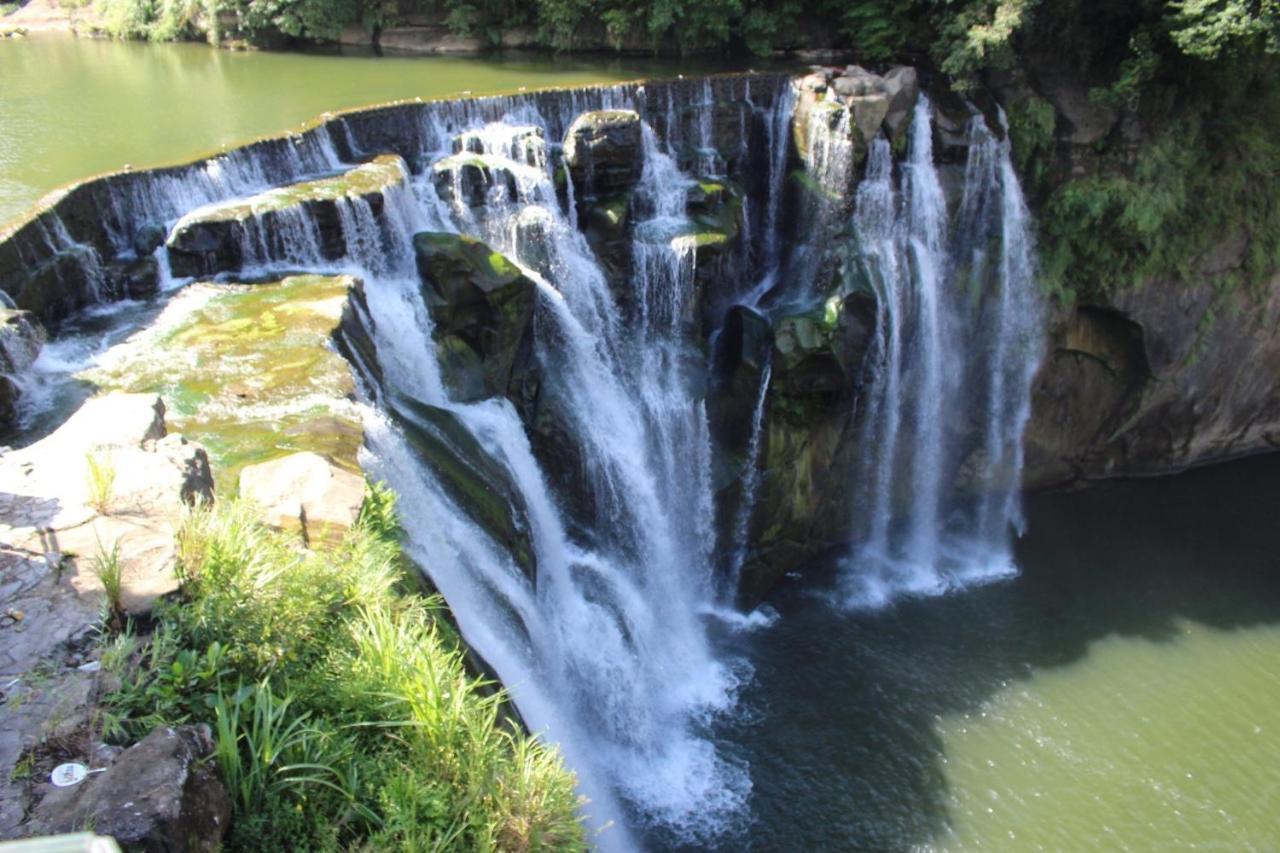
[77, 107]
[1120, 693]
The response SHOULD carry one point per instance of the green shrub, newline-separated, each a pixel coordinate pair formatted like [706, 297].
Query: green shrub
[344, 716]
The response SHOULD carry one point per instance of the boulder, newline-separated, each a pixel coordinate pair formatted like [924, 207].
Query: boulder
[869, 114]
[21, 339]
[902, 84]
[857, 82]
[467, 178]
[482, 307]
[138, 278]
[60, 285]
[602, 150]
[148, 238]
[162, 794]
[307, 493]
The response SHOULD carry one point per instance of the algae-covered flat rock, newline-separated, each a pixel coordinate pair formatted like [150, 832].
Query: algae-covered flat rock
[246, 369]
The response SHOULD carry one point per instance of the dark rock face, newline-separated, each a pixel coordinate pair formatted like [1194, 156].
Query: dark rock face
[809, 438]
[1159, 379]
[162, 795]
[60, 285]
[21, 339]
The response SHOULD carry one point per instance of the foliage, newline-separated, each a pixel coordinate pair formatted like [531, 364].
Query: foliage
[157, 20]
[977, 35]
[1206, 176]
[343, 713]
[1032, 123]
[1206, 29]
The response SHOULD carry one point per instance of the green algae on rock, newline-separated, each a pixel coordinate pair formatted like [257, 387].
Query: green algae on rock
[248, 371]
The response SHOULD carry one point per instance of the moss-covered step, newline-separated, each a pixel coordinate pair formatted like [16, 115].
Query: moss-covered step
[247, 371]
[280, 222]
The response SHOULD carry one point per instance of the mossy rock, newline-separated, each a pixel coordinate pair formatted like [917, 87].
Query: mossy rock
[482, 306]
[480, 485]
[249, 372]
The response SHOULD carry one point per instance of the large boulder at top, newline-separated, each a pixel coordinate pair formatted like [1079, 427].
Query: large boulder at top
[902, 84]
[162, 794]
[277, 224]
[482, 307]
[307, 493]
[602, 151]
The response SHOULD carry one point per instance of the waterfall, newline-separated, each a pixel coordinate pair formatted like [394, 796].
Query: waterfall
[750, 480]
[605, 654]
[933, 510]
[594, 610]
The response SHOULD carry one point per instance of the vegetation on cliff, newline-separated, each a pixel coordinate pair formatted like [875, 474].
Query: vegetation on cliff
[341, 706]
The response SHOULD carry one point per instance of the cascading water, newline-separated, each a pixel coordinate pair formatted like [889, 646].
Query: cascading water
[600, 632]
[932, 510]
[606, 653]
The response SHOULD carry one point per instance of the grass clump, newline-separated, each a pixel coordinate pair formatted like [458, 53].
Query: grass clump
[101, 480]
[110, 573]
[343, 713]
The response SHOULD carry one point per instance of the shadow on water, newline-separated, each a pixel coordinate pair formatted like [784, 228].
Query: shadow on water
[841, 716]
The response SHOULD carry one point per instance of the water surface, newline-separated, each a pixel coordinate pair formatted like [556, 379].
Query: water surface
[1122, 693]
[72, 108]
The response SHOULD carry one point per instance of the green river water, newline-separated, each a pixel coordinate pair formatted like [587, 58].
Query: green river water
[71, 108]
[1122, 693]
